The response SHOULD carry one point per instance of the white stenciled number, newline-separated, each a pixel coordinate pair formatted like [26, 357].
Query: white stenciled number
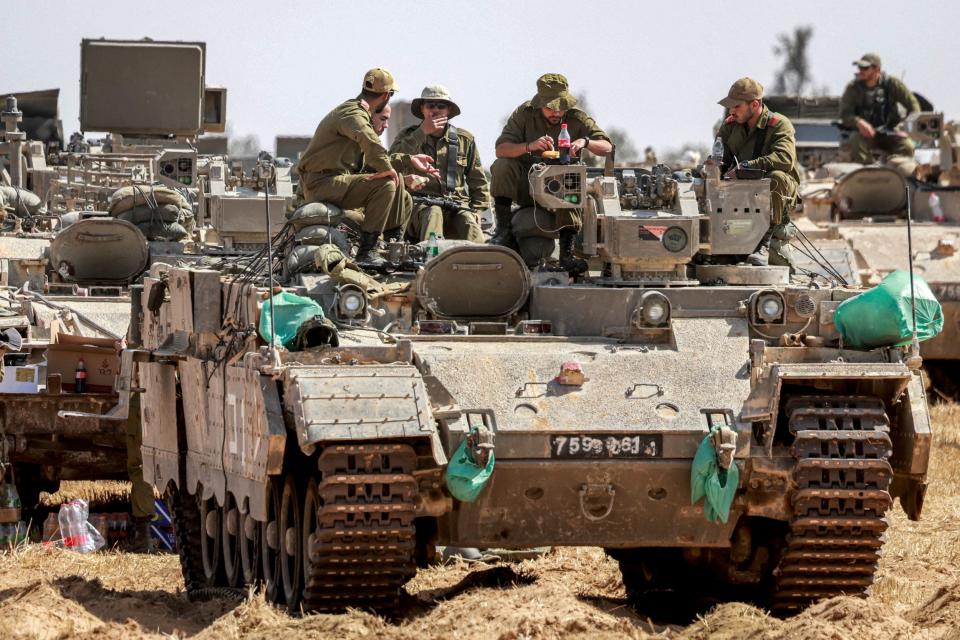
[574, 446]
[560, 442]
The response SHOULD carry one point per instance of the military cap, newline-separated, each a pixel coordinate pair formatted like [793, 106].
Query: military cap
[379, 80]
[553, 93]
[743, 90]
[868, 60]
[434, 93]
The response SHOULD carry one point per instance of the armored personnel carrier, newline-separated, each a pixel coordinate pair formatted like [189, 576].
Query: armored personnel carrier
[325, 457]
[856, 215]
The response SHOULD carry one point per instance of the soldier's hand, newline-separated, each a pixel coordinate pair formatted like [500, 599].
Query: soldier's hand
[541, 144]
[413, 182]
[390, 173]
[865, 128]
[424, 164]
[577, 145]
[433, 126]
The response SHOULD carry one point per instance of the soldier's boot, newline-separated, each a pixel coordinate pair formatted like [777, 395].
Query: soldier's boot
[368, 255]
[393, 235]
[141, 542]
[761, 255]
[569, 262]
[504, 231]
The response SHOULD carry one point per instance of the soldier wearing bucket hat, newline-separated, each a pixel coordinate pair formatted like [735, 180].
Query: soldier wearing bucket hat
[758, 138]
[531, 130]
[346, 165]
[461, 177]
[871, 107]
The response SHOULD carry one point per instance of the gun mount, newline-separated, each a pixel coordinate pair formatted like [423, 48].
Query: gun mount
[661, 228]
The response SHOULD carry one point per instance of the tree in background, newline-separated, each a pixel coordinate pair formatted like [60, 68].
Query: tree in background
[794, 76]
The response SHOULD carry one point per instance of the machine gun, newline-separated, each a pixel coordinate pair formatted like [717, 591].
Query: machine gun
[448, 204]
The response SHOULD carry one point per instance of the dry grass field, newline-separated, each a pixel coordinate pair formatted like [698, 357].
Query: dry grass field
[569, 593]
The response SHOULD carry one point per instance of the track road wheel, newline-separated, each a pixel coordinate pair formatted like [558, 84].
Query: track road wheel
[249, 543]
[270, 545]
[211, 549]
[291, 539]
[311, 524]
[230, 543]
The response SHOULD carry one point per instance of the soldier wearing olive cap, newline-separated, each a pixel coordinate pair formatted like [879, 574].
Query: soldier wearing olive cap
[531, 130]
[871, 107]
[758, 138]
[332, 169]
[461, 177]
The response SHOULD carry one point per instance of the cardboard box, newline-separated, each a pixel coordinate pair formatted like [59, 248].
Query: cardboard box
[25, 379]
[99, 357]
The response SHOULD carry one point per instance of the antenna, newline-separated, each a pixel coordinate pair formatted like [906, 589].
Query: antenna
[266, 213]
[914, 343]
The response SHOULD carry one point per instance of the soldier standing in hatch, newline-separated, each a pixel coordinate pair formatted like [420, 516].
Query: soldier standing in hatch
[870, 106]
[454, 154]
[531, 130]
[331, 168]
[758, 138]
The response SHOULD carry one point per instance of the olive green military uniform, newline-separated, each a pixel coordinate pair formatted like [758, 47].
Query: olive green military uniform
[526, 124]
[471, 188]
[771, 146]
[878, 106]
[331, 169]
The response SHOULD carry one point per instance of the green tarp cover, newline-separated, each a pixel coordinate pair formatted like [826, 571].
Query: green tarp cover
[881, 316]
[289, 311]
[715, 485]
[465, 478]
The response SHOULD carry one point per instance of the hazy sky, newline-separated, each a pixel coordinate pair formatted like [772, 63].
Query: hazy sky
[653, 69]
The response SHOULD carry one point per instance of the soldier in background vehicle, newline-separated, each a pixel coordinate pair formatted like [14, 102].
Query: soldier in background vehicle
[332, 167]
[871, 107]
[531, 130]
[454, 154]
[758, 138]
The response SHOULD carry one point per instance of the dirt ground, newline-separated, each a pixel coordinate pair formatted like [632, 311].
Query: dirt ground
[47, 593]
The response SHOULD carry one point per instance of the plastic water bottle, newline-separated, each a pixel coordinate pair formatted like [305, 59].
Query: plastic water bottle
[563, 143]
[936, 207]
[433, 248]
[717, 152]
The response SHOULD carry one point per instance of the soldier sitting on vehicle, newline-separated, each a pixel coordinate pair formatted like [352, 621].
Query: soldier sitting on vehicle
[871, 107]
[756, 138]
[531, 130]
[331, 168]
[449, 205]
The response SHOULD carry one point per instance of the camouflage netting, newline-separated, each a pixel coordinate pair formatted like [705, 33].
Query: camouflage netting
[159, 212]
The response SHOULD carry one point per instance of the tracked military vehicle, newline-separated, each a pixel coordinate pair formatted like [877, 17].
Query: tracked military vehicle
[326, 469]
[856, 215]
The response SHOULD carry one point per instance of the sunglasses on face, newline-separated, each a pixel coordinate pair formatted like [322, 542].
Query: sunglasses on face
[436, 105]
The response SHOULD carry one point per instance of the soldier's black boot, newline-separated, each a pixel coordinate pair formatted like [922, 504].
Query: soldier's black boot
[569, 262]
[761, 255]
[141, 542]
[504, 231]
[393, 235]
[367, 254]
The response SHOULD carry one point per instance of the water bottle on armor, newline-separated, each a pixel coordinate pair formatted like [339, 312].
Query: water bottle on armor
[717, 152]
[563, 143]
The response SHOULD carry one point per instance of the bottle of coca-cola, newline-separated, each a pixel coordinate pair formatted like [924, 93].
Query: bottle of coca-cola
[80, 377]
[563, 143]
